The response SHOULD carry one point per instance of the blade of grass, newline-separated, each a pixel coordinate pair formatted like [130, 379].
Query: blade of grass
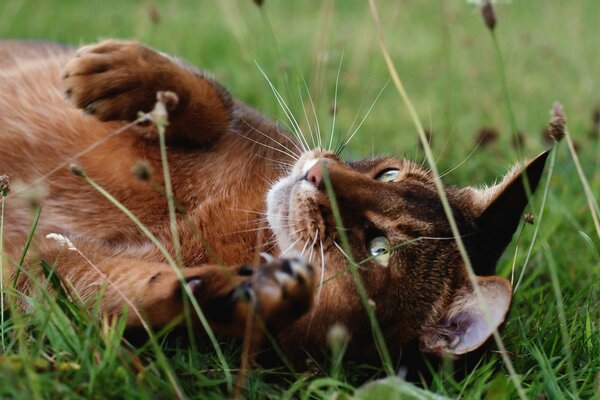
[566, 339]
[2, 324]
[36, 220]
[160, 119]
[591, 200]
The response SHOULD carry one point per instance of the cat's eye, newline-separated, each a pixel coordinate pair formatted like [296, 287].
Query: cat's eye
[389, 175]
[379, 248]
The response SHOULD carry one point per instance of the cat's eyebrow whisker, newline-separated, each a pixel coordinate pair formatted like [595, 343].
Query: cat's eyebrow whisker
[460, 163]
[312, 135]
[314, 111]
[347, 141]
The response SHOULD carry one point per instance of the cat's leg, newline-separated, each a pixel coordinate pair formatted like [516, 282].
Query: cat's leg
[114, 80]
[277, 292]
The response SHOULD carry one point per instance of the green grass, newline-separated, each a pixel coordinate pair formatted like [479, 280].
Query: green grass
[447, 61]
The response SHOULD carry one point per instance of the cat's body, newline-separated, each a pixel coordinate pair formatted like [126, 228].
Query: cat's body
[224, 158]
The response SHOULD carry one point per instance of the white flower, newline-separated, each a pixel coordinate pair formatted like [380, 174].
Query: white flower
[63, 240]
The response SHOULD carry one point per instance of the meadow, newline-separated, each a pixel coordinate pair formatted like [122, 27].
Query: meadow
[483, 99]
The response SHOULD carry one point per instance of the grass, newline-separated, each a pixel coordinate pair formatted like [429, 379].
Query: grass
[449, 67]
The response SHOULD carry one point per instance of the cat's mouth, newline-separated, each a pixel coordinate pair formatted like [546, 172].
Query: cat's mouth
[292, 209]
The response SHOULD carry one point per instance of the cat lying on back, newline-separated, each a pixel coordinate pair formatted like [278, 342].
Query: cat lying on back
[224, 156]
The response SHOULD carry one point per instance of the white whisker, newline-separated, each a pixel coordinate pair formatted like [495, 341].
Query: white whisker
[286, 110]
[290, 152]
[337, 81]
[314, 110]
[265, 145]
[349, 138]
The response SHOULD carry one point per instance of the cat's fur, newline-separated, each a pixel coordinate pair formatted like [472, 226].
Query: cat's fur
[224, 158]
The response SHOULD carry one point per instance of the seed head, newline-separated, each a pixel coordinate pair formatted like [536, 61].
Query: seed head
[487, 136]
[165, 101]
[142, 170]
[4, 185]
[528, 218]
[488, 14]
[259, 2]
[62, 240]
[76, 169]
[337, 336]
[558, 122]
[154, 14]
[169, 99]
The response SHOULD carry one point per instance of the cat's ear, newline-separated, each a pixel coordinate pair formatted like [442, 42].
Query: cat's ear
[465, 326]
[498, 211]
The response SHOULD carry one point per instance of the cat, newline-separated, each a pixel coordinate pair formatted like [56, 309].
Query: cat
[243, 186]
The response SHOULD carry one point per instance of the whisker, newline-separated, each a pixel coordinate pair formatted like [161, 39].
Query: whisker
[294, 155]
[262, 144]
[286, 110]
[308, 124]
[363, 120]
[460, 163]
[312, 246]
[314, 111]
[290, 246]
[337, 81]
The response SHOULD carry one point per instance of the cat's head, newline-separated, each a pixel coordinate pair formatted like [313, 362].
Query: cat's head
[401, 241]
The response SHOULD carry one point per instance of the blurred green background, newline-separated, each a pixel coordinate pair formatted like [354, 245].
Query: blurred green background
[446, 58]
[441, 48]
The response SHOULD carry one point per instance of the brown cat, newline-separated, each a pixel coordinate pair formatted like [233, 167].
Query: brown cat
[224, 158]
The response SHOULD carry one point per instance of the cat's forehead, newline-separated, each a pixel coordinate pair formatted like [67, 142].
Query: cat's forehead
[374, 166]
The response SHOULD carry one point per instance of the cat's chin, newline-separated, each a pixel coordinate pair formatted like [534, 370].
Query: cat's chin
[280, 199]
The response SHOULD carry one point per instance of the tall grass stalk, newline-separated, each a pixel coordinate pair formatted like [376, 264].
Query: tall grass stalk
[171, 262]
[160, 120]
[2, 324]
[589, 195]
[503, 81]
[440, 188]
[34, 224]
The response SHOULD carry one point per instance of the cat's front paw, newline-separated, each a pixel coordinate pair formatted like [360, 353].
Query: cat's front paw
[114, 80]
[283, 290]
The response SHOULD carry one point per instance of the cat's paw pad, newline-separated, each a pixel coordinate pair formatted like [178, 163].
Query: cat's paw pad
[114, 80]
[283, 290]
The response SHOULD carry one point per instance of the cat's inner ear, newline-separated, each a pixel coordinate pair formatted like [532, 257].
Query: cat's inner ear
[498, 213]
[466, 326]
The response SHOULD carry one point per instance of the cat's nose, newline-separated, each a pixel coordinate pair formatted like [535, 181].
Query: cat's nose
[315, 174]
